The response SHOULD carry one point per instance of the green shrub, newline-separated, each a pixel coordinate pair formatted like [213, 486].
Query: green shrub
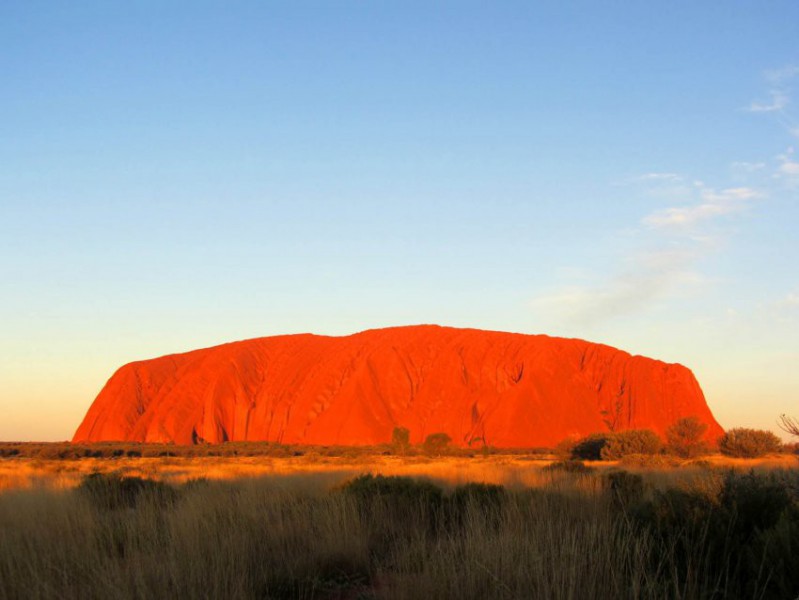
[436, 443]
[684, 438]
[749, 443]
[633, 441]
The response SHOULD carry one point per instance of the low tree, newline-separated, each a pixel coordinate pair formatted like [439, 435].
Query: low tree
[633, 441]
[684, 438]
[401, 439]
[749, 443]
[436, 443]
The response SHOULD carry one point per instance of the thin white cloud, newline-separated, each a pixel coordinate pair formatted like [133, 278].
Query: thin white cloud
[779, 100]
[790, 300]
[748, 167]
[648, 277]
[788, 168]
[712, 204]
[659, 177]
[682, 233]
[680, 237]
[781, 75]
[786, 308]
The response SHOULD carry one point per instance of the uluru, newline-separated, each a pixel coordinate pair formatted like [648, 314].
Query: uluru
[480, 387]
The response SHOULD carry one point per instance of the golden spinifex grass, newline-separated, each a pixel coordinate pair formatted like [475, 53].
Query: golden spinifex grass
[310, 536]
[512, 470]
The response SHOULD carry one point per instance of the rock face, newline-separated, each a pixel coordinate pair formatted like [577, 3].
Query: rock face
[504, 389]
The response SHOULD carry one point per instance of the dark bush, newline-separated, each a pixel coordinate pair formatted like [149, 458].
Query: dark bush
[746, 539]
[756, 501]
[627, 489]
[570, 466]
[476, 501]
[436, 443]
[111, 491]
[699, 463]
[400, 440]
[483, 496]
[649, 461]
[590, 447]
[610, 446]
[395, 508]
[564, 450]
[749, 443]
[684, 438]
[397, 490]
[634, 441]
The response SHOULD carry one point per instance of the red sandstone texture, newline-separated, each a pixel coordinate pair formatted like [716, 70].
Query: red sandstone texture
[501, 389]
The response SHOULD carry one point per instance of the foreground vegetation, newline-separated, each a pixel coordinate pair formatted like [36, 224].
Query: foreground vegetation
[583, 533]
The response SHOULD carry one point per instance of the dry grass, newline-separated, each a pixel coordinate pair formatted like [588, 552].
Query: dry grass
[270, 527]
[284, 528]
[291, 537]
[511, 471]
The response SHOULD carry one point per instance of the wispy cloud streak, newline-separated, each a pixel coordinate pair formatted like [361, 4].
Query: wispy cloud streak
[779, 100]
[686, 230]
[713, 204]
[679, 238]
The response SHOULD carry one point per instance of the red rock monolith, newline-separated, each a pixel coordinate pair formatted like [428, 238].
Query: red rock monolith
[501, 389]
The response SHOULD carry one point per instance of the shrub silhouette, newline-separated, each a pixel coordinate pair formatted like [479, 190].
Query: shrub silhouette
[590, 447]
[400, 439]
[749, 443]
[110, 491]
[436, 443]
[570, 466]
[745, 538]
[610, 446]
[634, 441]
[394, 490]
[477, 502]
[483, 496]
[649, 461]
[684, 438]
[627, 489]
[564, 450]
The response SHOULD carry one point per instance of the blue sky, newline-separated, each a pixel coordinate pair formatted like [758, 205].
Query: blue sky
[176, 175]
